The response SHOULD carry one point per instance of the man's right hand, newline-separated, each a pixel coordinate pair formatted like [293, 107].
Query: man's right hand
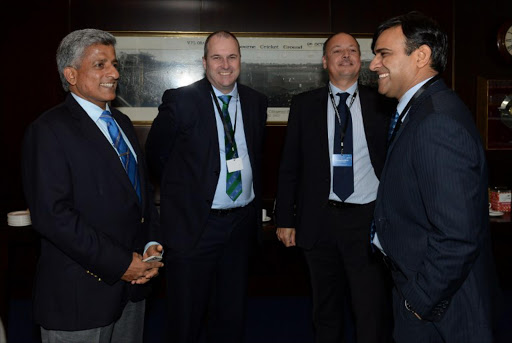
[286, 235]
[140, 272]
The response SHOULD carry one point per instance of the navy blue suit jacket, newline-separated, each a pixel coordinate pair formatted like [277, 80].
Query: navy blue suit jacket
[183, 151]
[85, 208]
[432, 218]
[304, 172]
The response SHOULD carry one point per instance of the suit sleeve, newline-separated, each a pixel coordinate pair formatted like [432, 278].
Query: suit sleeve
[448, 169]
[162, 135]
[48, 185]
[289, 170]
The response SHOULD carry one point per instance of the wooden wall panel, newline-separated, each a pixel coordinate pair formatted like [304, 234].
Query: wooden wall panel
[266, 16]
[30, 82]
[476, 55]
[136, 15]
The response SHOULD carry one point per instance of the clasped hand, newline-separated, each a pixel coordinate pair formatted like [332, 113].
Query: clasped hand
[140, 272]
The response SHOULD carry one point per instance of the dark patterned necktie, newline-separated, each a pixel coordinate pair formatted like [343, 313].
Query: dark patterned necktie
[392, 125]
[127, 159]
[233, 179]
[343, 177]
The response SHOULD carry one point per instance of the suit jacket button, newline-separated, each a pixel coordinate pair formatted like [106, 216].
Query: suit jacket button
[142, 220]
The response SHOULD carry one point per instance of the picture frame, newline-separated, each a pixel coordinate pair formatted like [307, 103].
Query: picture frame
[494, 113]
[279, 65]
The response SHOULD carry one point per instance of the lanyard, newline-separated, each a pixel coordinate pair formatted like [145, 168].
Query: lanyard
[409, 104]
[227, 131]
[345, 126]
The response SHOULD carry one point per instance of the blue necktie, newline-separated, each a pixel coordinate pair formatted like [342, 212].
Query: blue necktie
[127, 159]
[392, 125]
[233, 179]
[343, 177]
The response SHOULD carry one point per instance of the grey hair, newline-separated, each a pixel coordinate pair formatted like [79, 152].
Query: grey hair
[72, 47]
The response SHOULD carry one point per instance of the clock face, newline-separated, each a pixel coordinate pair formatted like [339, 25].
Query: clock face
[508, 40]
[505, 41]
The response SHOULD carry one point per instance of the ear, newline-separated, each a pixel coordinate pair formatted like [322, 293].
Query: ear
[204, 63]
[324, 62]
[423, 55]
[70, 75]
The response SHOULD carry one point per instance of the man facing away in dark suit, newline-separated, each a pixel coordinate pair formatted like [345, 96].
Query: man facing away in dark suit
[431, 214]
[90, 201]
[332, 142]
[206, 146]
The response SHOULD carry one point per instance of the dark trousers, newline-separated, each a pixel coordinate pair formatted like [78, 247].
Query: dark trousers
[341, 263]
[207, 285]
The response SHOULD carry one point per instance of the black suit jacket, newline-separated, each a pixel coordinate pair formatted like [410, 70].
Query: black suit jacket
[304, 173]
[183, 151]
[85, 208]
[432, 218]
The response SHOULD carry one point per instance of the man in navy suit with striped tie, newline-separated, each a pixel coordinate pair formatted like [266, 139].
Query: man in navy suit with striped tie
[431, 213]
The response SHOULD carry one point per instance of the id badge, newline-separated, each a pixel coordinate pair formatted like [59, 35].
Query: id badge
[234, 165]
[342, 160]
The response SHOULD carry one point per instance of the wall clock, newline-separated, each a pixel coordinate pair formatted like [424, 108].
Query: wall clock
[504, 41]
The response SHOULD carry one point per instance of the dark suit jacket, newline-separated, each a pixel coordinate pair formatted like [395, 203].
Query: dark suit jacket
[304, 173]
[432, 217]
[85, 208]
[183, 150]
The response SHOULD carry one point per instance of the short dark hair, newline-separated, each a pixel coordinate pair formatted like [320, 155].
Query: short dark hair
[223, 34]
[419, 30]
[324, 47]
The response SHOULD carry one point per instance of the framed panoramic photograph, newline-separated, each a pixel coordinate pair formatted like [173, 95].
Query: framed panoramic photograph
[279, 65]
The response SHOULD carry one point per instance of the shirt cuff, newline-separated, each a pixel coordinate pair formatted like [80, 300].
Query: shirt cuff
[150, 244]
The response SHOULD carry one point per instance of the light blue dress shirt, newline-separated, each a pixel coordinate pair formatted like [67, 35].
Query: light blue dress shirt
[365, 180]
[221, 200]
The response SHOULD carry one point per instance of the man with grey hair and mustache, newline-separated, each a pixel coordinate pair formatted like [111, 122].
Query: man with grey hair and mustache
[85, 183]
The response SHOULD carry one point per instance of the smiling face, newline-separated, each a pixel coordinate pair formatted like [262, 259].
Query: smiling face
[398, 72]
[222, 63]
[96, 78]
[342, 60]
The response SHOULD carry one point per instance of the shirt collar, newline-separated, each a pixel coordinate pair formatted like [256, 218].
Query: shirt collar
[92, 110]
[350, 90]
[233, 93]
[404, 100]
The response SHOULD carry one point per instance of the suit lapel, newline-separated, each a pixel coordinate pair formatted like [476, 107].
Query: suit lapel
[107, 156]
[416, 106]
[321, 123]
[206, 105]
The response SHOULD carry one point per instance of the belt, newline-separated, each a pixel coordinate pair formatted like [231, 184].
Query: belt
[226, 211]
[339, 204]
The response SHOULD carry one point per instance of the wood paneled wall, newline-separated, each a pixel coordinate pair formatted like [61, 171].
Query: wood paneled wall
[31, 32]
